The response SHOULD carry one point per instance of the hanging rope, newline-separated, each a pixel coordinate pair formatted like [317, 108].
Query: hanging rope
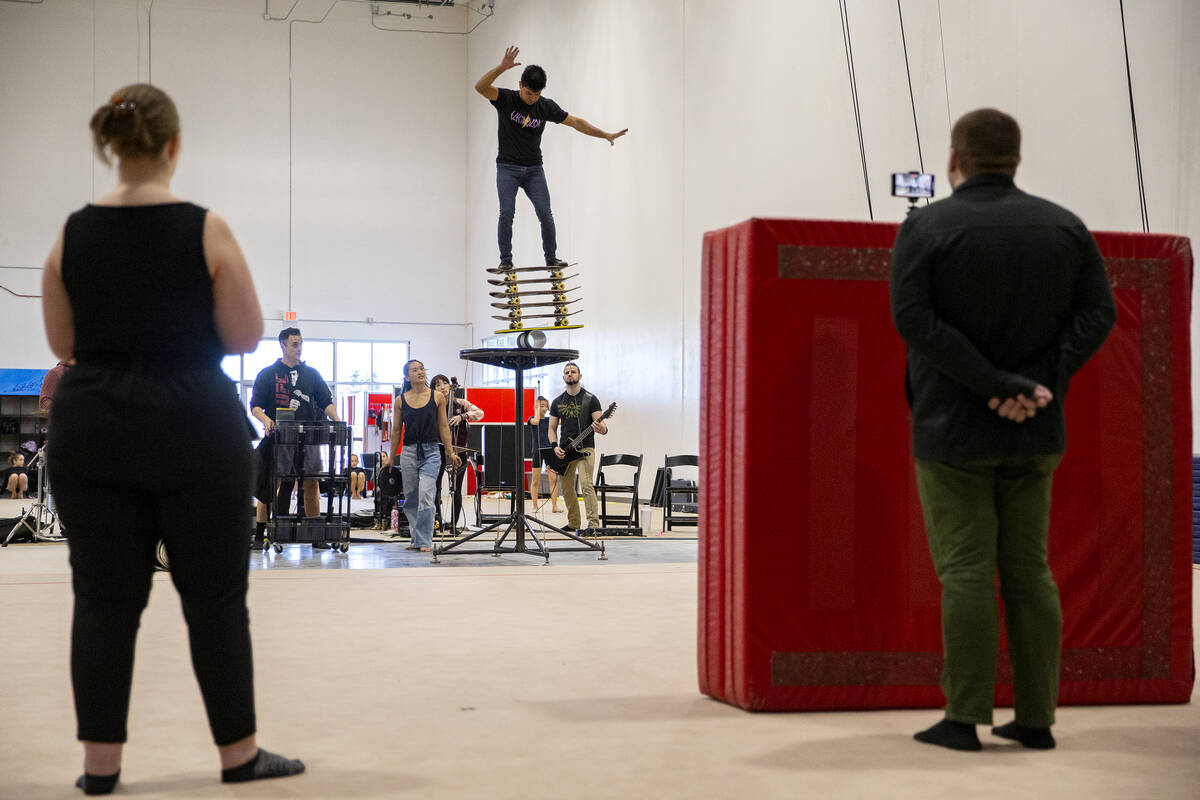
[862, 150]
[911, 97]
[945, 74]
[1137, 150]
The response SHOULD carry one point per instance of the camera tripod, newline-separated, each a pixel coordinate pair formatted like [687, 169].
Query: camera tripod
[40, 520]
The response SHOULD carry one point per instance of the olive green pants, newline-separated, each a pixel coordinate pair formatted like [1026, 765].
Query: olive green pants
[583, 467]
[983, 519]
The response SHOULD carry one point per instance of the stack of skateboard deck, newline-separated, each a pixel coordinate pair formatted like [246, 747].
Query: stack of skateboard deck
[540, 303]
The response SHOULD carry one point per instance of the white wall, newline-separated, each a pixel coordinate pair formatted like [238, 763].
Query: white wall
[734, 110]
[367, 223]
[740, 110]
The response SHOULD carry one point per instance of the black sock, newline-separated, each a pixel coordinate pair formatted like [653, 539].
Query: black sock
[265, 764]
[260, 529]
[1034, 738]
[948, 733]
[98, 784]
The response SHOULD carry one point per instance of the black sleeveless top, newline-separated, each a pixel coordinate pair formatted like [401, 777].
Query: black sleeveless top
[139, 286]
[420, 424]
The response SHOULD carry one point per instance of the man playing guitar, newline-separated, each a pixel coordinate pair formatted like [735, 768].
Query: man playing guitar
[570, 414]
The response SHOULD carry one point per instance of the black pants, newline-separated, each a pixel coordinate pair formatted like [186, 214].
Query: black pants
[459, 475]
[191, 434]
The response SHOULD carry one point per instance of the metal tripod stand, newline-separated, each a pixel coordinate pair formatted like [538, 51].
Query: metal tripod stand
[516, 523]
[40, 519]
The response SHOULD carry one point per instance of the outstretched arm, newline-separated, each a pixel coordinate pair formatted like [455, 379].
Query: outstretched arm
[484, 84]
[583, 126]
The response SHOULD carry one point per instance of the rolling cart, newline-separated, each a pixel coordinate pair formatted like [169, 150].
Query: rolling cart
[332, 526]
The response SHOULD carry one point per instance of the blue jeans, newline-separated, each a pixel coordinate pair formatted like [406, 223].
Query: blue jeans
[419, 478]
[509, 178]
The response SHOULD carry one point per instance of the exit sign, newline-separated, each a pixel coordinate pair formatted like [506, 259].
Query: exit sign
[289, 316]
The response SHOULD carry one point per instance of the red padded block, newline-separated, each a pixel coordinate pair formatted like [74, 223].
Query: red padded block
[816, 586]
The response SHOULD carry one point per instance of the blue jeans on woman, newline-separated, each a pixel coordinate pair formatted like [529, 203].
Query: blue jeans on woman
[419, 473]
[509, 178]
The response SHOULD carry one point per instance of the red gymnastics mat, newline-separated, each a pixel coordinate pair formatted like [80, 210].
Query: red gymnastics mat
[816, 586]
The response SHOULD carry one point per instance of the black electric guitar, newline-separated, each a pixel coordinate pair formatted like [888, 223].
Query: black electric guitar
[559, 465]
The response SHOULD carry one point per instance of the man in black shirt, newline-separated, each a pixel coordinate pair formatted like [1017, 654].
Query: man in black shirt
[569, 416]
[289, 383]
[1001, 297]
[523, 115]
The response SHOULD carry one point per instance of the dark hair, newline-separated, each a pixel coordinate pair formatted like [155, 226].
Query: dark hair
[986, 140]
[139, 120]
[541, 399]
[438, 379]
[404, 387]
[534, 77]
[572, 364]
[288, 333]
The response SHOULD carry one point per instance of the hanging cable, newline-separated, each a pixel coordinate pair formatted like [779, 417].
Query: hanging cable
[911, 97]
[945, 74]
[1137, 151]
[862, 150]
[150, 44]
[18, 294]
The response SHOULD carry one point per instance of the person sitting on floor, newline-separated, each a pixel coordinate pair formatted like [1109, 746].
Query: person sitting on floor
[358, 478]
[16, 478]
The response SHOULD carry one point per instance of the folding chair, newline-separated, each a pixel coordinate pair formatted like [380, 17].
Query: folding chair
[627, 524]
[683, 490]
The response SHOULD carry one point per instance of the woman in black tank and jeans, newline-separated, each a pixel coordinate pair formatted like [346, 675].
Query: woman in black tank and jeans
[147, 293]
[420, 414]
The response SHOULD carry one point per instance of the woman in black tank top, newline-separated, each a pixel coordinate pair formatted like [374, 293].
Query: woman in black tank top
[147, 293]
[421, 413]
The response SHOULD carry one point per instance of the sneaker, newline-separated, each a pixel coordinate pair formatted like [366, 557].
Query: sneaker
[554, 262]
[568, 528]
[505, 263]
[320, 545]
[257, 546]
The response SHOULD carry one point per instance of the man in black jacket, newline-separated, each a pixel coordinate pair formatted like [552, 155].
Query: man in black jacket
[289, 383]
[1001, 297]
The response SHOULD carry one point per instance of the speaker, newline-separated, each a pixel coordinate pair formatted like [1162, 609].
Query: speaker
[499, 450]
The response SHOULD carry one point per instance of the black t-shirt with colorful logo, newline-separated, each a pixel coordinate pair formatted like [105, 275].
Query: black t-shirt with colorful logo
[521, 126]
[574, 414]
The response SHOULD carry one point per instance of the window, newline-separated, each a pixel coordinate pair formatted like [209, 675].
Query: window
[319, 356]
[232, 365]
[353, 362]
[265, 354]
[387, 362]
[541, 379]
